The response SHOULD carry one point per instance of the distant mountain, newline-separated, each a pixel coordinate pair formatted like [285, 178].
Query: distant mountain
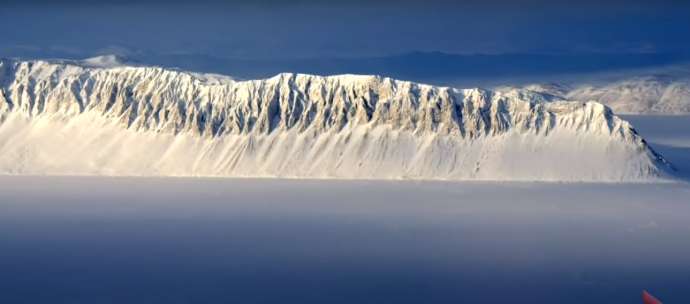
[654, 94]
[419, 66]
[100, 116]
[645, 95]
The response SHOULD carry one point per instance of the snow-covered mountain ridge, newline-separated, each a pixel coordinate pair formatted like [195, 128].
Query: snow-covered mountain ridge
[77, 118]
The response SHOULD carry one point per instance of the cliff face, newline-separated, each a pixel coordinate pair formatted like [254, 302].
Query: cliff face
[125, 120]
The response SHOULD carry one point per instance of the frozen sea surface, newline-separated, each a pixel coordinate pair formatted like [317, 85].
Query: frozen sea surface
[157, 240]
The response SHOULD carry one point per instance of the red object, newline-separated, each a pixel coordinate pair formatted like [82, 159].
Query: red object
[647, 298]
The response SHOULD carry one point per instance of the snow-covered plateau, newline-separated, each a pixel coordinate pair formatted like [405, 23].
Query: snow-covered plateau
[102, 117]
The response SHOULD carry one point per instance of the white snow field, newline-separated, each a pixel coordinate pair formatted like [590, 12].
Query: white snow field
[100, 117]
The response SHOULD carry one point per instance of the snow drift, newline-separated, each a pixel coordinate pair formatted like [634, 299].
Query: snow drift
[103, 117]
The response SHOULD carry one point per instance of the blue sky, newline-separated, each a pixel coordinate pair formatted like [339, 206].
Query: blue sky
[216, 35]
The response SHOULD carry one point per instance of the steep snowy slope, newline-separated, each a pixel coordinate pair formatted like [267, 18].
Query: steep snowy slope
[77, 118]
